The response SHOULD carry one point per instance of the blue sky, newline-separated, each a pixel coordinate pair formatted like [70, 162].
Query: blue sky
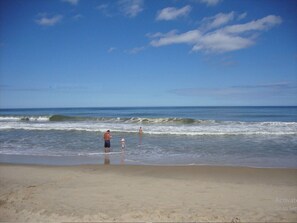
[79, 53]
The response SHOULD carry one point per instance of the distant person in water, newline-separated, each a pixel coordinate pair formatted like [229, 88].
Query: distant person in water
[107, 137]
[123, 146]
[140, 135]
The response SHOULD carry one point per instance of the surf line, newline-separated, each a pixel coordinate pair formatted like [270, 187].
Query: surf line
[112, 153]
[109, 153]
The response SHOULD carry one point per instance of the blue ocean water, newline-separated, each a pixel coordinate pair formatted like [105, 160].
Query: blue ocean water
[231, 136]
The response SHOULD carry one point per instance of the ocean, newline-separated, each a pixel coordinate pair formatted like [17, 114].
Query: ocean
[223, 136]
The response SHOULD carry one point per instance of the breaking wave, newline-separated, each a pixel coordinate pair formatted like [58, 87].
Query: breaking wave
[153, 126]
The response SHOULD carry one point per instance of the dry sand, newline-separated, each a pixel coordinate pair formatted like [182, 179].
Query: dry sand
[98, 193]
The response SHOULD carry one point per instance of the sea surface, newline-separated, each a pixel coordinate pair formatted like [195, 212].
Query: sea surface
[229, 136]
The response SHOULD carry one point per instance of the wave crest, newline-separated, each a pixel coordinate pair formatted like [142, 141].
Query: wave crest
[65, 118]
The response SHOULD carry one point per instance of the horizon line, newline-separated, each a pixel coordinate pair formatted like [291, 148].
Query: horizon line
[153, 106]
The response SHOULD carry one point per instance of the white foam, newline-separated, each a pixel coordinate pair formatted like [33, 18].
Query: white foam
[9, 118]
[24, 118]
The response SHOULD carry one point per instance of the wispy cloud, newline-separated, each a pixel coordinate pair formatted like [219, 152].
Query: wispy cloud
[51, 88]
[284, 85]
[111, 49]
[131, 8]
[136, 50]
[104, 9]
[172, 13]
[258, 90]
[78, 17]
[265, 23]
[215, 36]
[46, 20]
[210, 2]
[72, 2]
[128, 8]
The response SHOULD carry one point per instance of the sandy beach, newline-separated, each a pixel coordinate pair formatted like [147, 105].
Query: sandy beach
[98, 193]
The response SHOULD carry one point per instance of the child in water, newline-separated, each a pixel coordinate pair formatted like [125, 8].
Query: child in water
[123, 144]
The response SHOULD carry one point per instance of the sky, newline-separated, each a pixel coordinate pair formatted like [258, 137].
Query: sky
[121, 53]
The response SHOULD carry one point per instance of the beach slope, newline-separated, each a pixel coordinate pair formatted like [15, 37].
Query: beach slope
[98, 193]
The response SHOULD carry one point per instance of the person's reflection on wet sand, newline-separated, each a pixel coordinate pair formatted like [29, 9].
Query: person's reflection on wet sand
[106, 158]
[123, 157]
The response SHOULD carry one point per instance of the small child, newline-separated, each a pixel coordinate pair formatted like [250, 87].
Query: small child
[123, 143]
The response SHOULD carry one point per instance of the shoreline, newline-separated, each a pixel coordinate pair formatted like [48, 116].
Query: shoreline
[113, 159]
[133, 193]
[101, 165]
[85, 165]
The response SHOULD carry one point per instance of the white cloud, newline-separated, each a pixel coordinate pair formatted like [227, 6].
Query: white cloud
[221, 42]
[210, 2]
[131, 8]
[72, 2]
[189, 37]
[172, 13]
[45, 20]
[159, 34]
[218, 20]
[256, 25]
[223, 39]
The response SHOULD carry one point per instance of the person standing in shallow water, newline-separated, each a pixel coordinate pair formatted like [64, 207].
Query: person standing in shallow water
[123, 144]
[107, 138]
[140, 132]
